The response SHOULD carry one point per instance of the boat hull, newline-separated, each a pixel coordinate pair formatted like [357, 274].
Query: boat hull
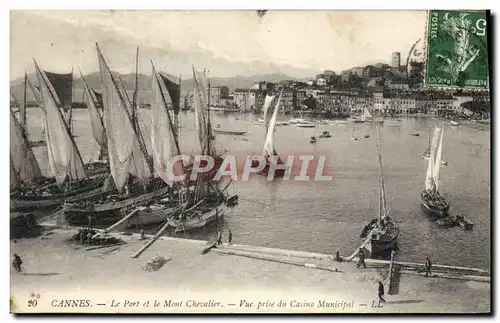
[381, 242]
[236, 133]
[26, 203]
[430, 207]
[200, 220]
[106, 213]
[152, 215]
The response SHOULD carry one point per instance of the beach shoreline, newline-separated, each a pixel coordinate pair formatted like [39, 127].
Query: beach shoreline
[216, 282]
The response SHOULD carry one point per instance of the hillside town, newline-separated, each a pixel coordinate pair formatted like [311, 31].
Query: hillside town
[384, 89]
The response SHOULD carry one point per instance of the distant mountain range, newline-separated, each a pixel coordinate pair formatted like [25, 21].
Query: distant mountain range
[144, 82]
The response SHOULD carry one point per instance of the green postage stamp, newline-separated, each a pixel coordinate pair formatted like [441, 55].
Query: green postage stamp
[457, 49]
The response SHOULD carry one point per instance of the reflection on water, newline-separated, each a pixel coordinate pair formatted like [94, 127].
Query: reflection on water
[328, 216]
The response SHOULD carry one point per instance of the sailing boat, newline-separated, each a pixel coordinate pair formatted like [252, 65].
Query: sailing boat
[430, 197]
[427, 152]
[24, 165]
[367, 116]
[165, 145]
[269, 150]
[130, 168]
[65, 161]
[207, 203]
[381, 234]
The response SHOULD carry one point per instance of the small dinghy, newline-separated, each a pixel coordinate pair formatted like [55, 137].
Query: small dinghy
[464, 222]
[416, 134]
[229, 132]
[367, 136]
[313, 139]
[325, 134]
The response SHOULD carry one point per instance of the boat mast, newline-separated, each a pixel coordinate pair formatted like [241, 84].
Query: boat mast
[134, 97]
[382, 204]
[23, 108]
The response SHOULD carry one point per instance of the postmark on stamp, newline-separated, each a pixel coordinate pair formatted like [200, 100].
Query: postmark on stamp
[457, 49]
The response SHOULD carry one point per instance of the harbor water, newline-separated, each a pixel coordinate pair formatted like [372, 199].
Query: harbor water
[326, 217]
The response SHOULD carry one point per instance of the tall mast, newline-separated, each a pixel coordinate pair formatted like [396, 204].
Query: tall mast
[382, 205]
[134, 98]
[25, 100]
[70, 112]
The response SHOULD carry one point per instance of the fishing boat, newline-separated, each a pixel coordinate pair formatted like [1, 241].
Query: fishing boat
[208, 202]
[229, 132]
[66, 164]
[381, 234]
[416, 134]
[313, 139]
[454, 123]
[325, 134]
[209, 211]
[130, 166]
[269, 151]
[430, 197]
[448, 221]
[367, 136]
[296, 120]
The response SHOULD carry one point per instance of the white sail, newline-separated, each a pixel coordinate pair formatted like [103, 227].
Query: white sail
[163, 138]
[64, 157]
[269, 143]
[438, 159]
[267, 103]
[38, 99]
[430, 180]
[124, 153]
[23, 161]
[367, 114]
[200, 112]
[96, 121]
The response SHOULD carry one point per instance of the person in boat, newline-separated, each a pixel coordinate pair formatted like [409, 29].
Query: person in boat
[230, 239]
[428, 265]
[17, 263]
[361, 260]
[381, 292]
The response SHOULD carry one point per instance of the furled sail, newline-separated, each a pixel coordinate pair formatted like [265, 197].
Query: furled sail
[96, 121]
[121, 136]
[163, 135]
[23, 161]
[269, 143]
[64, 158]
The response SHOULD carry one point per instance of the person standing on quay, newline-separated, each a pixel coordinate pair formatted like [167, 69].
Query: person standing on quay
[230, 239]
[381, 292]
[428, 265]
[361, 261]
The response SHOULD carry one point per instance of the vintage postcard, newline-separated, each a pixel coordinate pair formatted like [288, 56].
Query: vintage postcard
[250, 161]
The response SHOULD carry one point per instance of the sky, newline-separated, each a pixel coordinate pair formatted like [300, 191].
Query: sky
[227, 43]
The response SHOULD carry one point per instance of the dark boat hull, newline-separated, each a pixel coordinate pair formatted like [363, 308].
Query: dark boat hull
[430, 207]
[381, 244]
[278, 173]
[107, 213]
[26, 203]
